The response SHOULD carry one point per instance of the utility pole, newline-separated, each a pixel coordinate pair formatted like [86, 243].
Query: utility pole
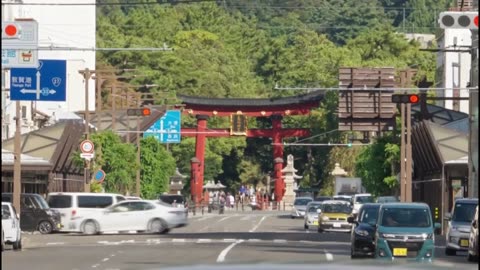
[138, 150]
[403, 184]
[17, 166]
[86, 75]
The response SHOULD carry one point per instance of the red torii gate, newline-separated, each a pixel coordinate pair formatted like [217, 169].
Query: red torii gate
[275, 108]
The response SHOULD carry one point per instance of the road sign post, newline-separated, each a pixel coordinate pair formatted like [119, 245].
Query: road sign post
[167, 128]
[45, 83]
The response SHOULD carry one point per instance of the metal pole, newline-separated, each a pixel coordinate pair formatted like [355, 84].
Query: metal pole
[114, 115]
[138, 153]
[409, 154]
[128, 117]
[402, 154]
[17, 166]
[98, 108]
[443, 198]
[86, 75]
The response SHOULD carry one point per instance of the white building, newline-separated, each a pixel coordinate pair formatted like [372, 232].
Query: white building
[59, 26]
[453, 68]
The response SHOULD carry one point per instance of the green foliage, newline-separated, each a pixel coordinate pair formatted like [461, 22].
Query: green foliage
[157, 166]
[118, 160]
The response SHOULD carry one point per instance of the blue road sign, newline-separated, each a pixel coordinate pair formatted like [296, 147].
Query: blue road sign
[167, 128]
[100, 175]
[45, 83]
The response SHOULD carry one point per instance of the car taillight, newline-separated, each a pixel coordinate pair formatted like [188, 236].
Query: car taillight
[74, 212]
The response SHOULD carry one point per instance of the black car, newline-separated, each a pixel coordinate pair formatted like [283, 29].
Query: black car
[363, 231]
[35, 214]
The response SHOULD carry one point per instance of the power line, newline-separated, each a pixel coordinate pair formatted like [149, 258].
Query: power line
[471, 89]
[54, 48]
[139, 3]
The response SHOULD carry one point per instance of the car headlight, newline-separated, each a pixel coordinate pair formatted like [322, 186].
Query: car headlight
[361, 232]
[427, 235]
[324, 218]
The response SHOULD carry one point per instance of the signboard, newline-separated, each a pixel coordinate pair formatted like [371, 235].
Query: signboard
[45, 83]
[19, 44]
[87, 156]
[14, 58]
[100, 176]
[167, 128]
[238, 124]
[87, 146]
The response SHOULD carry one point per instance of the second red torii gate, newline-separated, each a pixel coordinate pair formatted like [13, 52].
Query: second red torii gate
[275, 108]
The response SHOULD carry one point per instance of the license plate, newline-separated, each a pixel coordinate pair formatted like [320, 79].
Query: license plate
[400, 252]
[315, 223]
[464, 242]
[337, 225]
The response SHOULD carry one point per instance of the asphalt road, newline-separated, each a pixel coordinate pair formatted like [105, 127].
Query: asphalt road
[233, 238]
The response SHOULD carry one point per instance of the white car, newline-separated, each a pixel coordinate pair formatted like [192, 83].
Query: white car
[11, 232]
[359, 199]
[311, 214]
[135, 215]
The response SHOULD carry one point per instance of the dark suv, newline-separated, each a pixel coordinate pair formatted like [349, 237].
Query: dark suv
[35, 214]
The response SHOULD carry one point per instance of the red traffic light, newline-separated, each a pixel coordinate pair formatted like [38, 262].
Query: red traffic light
[11, 30]
[475, 21]
[146, 112]
[410, 98]
[414, 98]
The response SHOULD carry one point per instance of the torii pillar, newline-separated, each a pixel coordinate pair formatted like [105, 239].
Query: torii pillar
[278, 156]
[200, 143]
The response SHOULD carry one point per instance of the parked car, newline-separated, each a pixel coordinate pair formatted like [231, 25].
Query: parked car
[35, 214]
[405, 231]
[459, 223]
[387, 199]
[473, 242]
[322, 198]
[11, 232]
[300, 206]
[132, 198]
[78, 205]
[311, 214]
[359, 199]
[333, 216]
[363, 231]
[151, 216]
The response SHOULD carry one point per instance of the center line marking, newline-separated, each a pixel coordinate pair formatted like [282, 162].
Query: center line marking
[105, 259]
[221, 256]
[256, 226]
[328, 255]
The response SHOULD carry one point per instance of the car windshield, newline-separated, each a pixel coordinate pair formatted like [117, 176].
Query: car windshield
[369, 215]
[302, 201]
[364, 199]
[313, 208]
[5, 212]
[464, 212]
[337, 208]
[40, 202]
[406, 217]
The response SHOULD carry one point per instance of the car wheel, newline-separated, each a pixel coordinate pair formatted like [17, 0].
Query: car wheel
[305, 226]
[17, 245]
[89, 227]
[293, 217]
[158, 226]
[45, 227]
[450, 252]
[472, 258]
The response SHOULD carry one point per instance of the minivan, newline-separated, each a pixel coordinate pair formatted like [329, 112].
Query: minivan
[78, 205]
[459, 222]
[405, 231]
[35, 214]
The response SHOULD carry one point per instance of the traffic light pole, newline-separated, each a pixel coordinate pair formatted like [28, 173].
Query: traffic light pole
[403, 183]
[408, 156]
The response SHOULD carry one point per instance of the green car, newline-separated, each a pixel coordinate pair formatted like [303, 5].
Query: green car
[405, 231]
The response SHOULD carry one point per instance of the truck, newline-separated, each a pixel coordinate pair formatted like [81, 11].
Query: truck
[348, 186]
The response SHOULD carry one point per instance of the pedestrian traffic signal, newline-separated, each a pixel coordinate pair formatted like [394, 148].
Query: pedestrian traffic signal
[458, 20]
[405, 98]
[139, 112]
[10, 31]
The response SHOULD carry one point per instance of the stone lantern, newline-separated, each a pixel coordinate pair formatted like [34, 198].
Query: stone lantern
[176, 183]
[290, 183]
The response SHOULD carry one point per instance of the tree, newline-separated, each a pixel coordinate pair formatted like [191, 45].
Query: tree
[157, 165]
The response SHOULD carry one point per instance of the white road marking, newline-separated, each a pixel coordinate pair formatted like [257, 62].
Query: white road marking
[221, 256]
[328, 255]
[95, 265]
[229, 240]
[225, 218]
[105, 259]
[178, 240]
[279, 241]
[204, 240]
[56, 243]
[258, 224]
[254, 240]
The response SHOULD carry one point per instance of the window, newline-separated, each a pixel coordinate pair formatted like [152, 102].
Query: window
[337, 208]
[302, 201]
[94, 201]
[60, 201]
[369, 215]
[120, 198]
[140, 206]
[5, 212]
[464, 212]
[6, 199]
[406, 217]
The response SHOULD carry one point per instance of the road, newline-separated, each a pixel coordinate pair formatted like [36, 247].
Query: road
[235, 237]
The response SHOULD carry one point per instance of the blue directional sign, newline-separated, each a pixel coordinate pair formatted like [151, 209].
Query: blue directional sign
[167, 128]
[45, 83]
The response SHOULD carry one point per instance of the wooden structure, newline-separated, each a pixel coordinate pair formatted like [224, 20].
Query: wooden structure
[360, 106]
[274, 108]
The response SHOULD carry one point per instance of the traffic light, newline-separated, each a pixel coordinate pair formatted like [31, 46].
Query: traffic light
[10, 31]
[405, 98]
[458, 20]
[139, 112]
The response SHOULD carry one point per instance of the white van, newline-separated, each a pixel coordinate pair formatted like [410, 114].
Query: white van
[359, 199]
[78, 205]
